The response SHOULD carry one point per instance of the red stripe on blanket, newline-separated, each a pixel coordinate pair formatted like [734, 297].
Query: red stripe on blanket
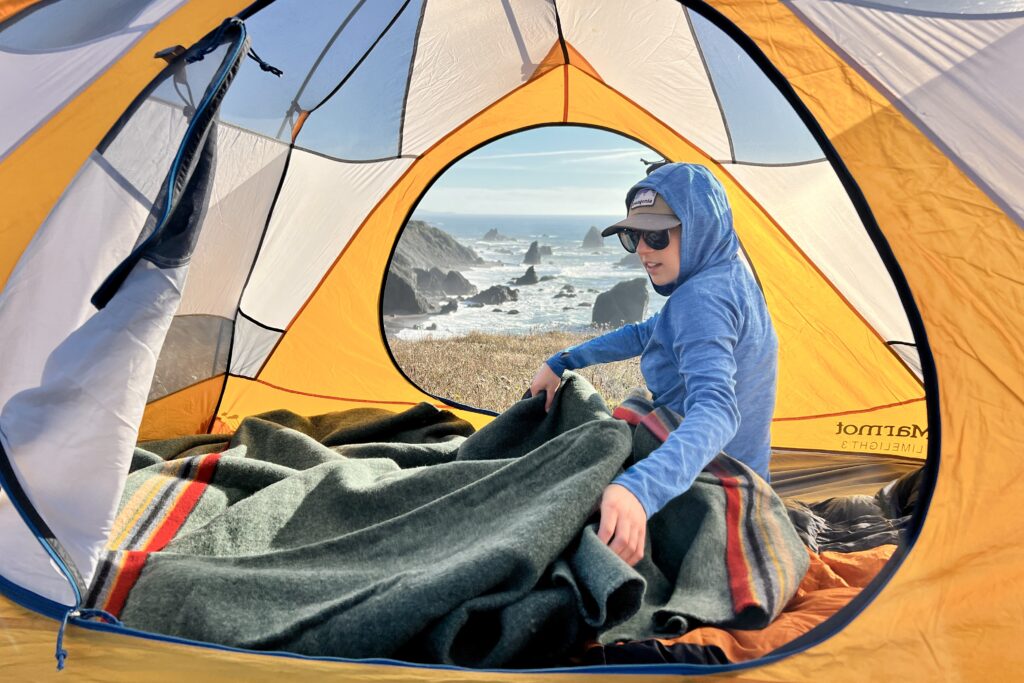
[735, 559]
[655, 425]
[183, 507]
[135, 560]
[131, 568]
[630, 416]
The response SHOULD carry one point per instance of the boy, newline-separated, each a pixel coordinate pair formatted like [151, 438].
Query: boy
[710, 354]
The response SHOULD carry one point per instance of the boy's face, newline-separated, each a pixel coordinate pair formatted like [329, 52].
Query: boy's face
[662, 265]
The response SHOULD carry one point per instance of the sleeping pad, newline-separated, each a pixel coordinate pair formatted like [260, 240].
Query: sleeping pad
[366, 533]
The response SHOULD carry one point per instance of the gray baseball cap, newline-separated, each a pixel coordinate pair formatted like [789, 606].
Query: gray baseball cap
[647, 211]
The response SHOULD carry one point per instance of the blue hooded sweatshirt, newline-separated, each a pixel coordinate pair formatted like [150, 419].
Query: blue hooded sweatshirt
[710, 353]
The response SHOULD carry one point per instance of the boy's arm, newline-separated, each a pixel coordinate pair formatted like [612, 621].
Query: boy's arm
[627, 341]
[711, 416]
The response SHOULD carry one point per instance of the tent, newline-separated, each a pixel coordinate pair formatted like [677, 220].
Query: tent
[188, 240]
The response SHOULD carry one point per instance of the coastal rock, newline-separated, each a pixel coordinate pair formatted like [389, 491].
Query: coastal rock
[532, 254]
[545, 278]
[401, 265]
[545, 250]
[568, 288]
[626, 302]
[455, 283]
[493, 235]
[513, 312]
[424, 246]
[400, 297]
[593, 240]
[528, 278]
[565, 295]
[630, 261]
[431, 280]
[431, 326]
[450, 306]
[492, 296]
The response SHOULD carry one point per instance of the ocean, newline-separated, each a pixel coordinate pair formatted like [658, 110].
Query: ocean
[589, 271]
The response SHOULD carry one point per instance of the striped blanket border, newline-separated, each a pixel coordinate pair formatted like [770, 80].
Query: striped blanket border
[758, 571]
[146, 523]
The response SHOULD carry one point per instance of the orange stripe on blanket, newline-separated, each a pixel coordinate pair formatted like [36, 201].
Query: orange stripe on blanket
[183, 507]
[740, 579]
[134, 560]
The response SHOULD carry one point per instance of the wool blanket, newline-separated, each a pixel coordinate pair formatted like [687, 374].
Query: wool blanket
[366, 533]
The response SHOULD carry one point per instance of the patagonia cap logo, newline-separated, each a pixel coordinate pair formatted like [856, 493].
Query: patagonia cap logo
[643, 198]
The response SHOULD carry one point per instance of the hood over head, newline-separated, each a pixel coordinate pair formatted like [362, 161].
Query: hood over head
[698, 199]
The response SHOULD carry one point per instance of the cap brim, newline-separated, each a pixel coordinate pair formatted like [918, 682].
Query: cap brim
[643, 221]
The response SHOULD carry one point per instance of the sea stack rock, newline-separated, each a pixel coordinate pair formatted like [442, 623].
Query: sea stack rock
[401, 298]
[492, 296]
[456, 284]
[493, 235]
[528, 278]
[593, 240]
[626, 302]
[532, 255]
[545, 250]
[630, 261]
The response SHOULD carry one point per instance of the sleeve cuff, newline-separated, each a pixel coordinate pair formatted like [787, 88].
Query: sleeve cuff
[559, 362]
[627, 483]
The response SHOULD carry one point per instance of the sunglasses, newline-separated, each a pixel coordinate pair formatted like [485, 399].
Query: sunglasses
[655, 239]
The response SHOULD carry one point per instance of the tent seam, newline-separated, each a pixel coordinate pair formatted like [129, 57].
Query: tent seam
[408, 79]
[711, 82]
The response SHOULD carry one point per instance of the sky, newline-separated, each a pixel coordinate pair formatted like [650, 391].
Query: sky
[555, 170]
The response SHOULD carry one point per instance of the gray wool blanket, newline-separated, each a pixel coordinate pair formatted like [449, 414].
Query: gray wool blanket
[408, 535]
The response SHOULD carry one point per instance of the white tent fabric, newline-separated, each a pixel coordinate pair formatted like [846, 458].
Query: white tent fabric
[59, 352]
[82, 252]
[492, 61]
[812, 207]
[156, 130]
[249, 168]
[94, 399]
[304, 237]
[962, 78]
[36, 83]
[251, 346]
[647, 52]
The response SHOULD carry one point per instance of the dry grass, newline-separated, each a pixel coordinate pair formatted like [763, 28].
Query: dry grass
[493, 370]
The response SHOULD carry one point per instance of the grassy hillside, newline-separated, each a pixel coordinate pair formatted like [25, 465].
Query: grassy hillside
[493, 370]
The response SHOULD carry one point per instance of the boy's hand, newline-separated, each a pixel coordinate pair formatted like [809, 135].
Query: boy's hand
[545, 380]
[623, 523]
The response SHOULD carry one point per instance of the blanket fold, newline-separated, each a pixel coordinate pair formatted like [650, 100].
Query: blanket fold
[374, 534]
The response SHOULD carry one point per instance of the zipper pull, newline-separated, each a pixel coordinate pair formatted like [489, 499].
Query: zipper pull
[61, 653]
